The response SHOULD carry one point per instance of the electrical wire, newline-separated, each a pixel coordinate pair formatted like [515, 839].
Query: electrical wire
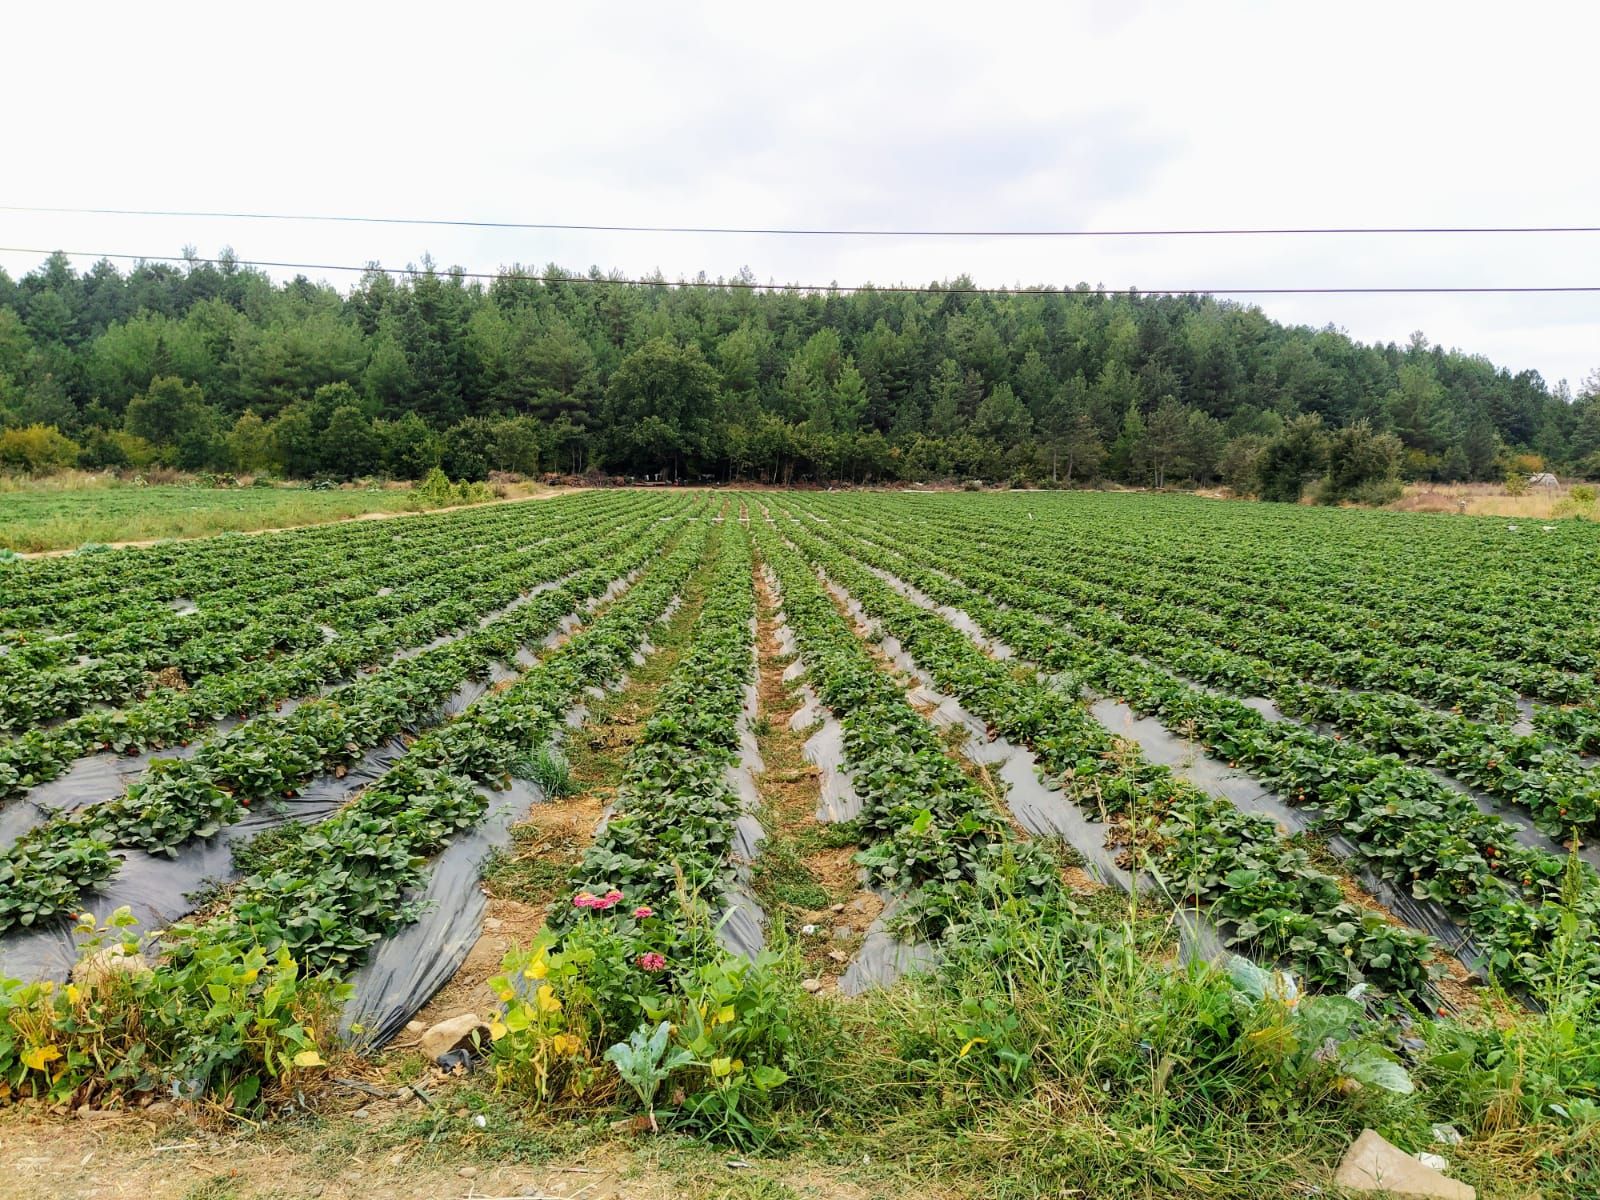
[833, 288]
[821, 232]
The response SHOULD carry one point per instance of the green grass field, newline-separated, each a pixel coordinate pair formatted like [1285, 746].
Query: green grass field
[49, 516]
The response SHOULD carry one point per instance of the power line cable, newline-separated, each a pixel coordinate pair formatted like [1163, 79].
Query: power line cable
[897, 289]
[819, 232]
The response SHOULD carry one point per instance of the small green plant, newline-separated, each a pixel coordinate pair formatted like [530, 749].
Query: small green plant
[644, 1063]
[548, 768]
[1583, 493]
[1516, 483]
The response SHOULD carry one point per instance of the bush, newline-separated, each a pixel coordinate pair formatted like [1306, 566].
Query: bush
[37, 449]
[1516, 483]
[1376, 493]
[1292, 459]
[1583, 494]
[232, 1022]
[1363, 466]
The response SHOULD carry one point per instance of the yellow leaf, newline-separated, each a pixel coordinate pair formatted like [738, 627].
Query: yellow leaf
[725, 1015]
[566, 1043]
[721, 1067]
[547, 999]
[73, 994]
[497, 1029]
[971, 1042]
[309, 1058]
[38, 1056]
[251, 975]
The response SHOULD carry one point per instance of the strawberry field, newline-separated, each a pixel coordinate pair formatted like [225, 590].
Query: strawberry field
[981, 794]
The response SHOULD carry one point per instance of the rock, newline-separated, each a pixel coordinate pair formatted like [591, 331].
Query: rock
[811, 985]
[97, 1114]
[468, 1172]
[1437, 1161]
[361, 1114]
[493, 924]
[455, 1034]
[837, 908]
[108, 964]
[843, 933]
[1447, 1135]
[838, 956]
[1374, 1165]
[415, 1028]
[808, 929]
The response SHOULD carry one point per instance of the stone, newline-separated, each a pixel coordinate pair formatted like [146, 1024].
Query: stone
[415, 1028]
[457, 1033]
[837, 908]
[1374, 1165]
[811, 985]
[108, 964]
[843, 933]
[468, 1172]
[493, 924]
[838, 956]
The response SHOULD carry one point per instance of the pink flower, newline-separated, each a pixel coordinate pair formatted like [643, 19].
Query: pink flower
[643, 911]
[584, 900]
[609, 900]
[651, 961]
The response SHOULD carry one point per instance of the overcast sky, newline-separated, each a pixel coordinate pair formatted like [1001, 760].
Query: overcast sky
[1056, 115]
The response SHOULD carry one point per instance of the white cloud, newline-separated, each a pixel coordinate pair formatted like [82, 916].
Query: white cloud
[863, 115]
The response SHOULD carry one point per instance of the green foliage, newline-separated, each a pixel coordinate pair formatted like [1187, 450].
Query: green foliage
[1363, 466]
[37, 449]
[235, 1023]
[1292, 459]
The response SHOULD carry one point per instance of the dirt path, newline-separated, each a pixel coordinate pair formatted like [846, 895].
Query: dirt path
[378, 1152]
[806, 872]
[370, 516]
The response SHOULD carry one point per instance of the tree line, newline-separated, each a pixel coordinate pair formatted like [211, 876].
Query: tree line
[213, 366]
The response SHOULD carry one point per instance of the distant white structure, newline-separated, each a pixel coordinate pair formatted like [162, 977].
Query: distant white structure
[1543, 479]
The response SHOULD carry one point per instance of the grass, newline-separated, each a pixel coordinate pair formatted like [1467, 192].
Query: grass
[1492, 500]
[62, 514]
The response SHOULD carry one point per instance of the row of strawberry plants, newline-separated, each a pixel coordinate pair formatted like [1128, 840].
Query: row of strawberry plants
[1528, 770]
[221, 1013]
[1362, 655]
[178, 800]
[668, 841]
[410, 583]
[328, 896]
[1415, 831]
[232, 569]
[929, 832]
[172, 716]
[1317, 637]
[1268, 895]
[1361, 604]
[432, 604]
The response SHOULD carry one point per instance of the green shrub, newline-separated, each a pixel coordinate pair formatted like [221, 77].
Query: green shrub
[37, 449]
[228, 1021]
